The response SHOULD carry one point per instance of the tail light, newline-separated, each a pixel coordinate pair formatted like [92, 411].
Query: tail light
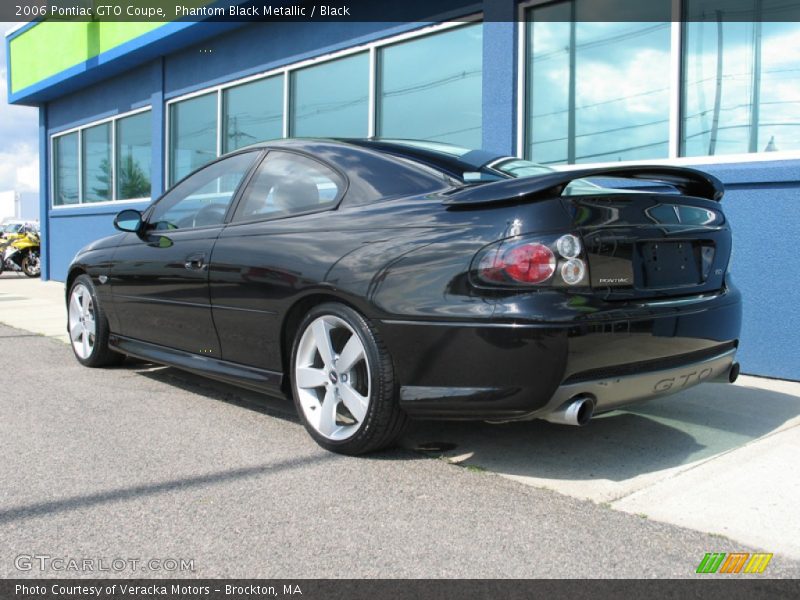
[530, 262]
[521, 262]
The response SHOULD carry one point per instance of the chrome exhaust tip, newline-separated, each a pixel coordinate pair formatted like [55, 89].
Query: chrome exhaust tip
[729, 376]
[578, 411]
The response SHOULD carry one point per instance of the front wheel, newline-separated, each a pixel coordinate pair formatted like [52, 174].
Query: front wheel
[31, 264]
[343, 382]
[88, 326]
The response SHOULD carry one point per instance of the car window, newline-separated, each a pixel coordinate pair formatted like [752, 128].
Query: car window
[204, 197]
[287, 184]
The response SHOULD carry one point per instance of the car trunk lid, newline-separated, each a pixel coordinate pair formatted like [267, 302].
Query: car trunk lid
[652, 245]
[639, 244]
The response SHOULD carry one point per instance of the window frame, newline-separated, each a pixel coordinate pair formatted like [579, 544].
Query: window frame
[342, 191]
[113, 141]
[677, 48]
[287, 69]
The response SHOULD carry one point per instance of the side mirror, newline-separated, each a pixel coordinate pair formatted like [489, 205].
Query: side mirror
[128, 220]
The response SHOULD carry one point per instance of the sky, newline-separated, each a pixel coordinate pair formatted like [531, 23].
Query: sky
[19, 143]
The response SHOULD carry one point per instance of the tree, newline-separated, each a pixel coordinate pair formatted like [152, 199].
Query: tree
[132, 181]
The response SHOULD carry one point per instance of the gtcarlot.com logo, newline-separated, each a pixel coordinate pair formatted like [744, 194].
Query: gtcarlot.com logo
[735, 562]
[45, 562]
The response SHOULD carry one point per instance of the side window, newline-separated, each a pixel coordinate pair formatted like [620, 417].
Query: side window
[287, 184]
[203, 198]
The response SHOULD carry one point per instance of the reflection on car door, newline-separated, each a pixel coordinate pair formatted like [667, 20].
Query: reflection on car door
[259, 263]
[160, 279]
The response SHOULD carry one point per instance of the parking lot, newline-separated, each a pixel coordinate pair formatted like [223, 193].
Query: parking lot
[143, 462]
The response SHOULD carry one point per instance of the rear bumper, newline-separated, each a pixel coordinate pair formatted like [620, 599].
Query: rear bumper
[522, 370]
[609, 393]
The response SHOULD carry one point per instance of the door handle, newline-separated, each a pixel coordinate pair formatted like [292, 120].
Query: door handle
[195, 262]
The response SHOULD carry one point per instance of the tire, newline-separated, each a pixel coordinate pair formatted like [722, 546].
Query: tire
[31, 264]
[347, 408]
[87, 326]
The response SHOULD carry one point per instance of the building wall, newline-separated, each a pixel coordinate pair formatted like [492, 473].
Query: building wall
[760, 202]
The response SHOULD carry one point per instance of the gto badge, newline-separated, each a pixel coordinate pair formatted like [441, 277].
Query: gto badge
[682, 381]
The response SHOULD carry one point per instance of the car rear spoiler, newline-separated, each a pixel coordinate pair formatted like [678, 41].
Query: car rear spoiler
[689, 182]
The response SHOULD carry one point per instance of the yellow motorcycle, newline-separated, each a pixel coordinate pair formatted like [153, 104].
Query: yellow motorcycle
[21, 254]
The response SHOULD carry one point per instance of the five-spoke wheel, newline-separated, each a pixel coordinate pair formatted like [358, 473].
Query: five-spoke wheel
[332, 375]
[82, 326]
[343, 382]
[87, 326]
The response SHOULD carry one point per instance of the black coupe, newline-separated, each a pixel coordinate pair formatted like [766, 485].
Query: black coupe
[377, 280]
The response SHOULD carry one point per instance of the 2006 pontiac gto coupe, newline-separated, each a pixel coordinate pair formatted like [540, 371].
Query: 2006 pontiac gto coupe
[376, 280]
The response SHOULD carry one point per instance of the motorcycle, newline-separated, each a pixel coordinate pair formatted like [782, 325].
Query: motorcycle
[21, 254]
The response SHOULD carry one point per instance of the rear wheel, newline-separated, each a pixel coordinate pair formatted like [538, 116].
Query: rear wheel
[88, 327]
[31, 265]
[343, 382]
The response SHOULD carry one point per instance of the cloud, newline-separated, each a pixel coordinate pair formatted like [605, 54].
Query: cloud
[19, 137]
[19, 167]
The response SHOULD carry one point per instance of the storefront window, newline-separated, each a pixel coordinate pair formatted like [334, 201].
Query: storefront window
[596, 91]
[193, 135]
[96, 163]
[741, 81]
[253, 112]
[134, 156]
[430, 87]
[93, 174]
[331, 99]
[65, 161]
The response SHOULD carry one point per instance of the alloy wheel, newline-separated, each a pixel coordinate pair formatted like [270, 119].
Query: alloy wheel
[332, 378]
[82, 325]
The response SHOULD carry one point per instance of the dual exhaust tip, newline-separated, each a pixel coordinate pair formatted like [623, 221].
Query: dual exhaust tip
[733, 374]
[579, 410]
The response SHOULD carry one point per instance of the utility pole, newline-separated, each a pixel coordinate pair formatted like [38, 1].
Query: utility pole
[755, 100]
[712, 143]
[571, 92]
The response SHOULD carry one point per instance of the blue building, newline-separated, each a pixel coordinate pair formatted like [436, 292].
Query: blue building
[127, 109]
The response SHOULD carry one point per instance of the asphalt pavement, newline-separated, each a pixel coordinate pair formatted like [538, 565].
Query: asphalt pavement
[144, 462]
